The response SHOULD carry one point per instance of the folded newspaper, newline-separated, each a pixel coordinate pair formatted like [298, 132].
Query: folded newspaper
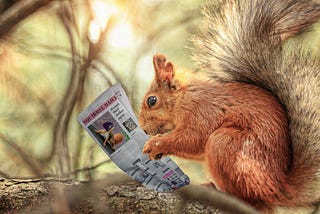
[111, 122]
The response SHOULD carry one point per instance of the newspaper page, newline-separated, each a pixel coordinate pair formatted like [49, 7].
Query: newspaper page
[111, 122]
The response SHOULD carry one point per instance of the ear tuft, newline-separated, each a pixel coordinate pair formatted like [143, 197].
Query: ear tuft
[164, 71]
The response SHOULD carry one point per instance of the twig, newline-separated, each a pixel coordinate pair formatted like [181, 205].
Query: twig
[106, 79]
[167, 26]
[35, 180]
[4, 5]
[4, 175]
[30, 162]
[75, 89]
[85, 169]
[317, 210]
[78, 148]
[90, 159]
[104, 76]
[17, 12]
[68, 103]
[29, 94]
[216, 199]
[64, 55]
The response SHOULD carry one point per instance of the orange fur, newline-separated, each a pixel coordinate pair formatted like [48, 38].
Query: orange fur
[239, 130]
[257, 149]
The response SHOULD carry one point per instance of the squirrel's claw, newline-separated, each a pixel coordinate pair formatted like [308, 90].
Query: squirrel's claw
[154, 149]
[158, 156]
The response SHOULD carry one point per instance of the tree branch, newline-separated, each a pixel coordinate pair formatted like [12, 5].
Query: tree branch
[17, 12]
[32, 164]
[215, 198]
[117, 192]
[60, 134]
[91, 167]
[4, 175]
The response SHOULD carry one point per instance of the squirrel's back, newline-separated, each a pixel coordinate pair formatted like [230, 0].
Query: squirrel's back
[242, 41]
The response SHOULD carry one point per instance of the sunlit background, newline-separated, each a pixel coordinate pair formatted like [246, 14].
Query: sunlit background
[39, 62]
[36, 73]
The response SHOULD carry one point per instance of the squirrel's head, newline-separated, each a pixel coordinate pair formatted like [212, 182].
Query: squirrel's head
[156, 114]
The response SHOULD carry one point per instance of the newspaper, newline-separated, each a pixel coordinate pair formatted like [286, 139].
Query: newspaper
[111, 122]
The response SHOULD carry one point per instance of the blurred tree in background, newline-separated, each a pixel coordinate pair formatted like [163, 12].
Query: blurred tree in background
[56, 57]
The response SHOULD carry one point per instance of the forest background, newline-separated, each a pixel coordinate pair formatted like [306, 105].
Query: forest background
[56, 57]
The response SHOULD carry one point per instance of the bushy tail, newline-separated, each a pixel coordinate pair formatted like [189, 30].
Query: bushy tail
[241, 41]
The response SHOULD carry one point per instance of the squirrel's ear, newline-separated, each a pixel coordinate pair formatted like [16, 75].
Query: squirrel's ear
[164, 71]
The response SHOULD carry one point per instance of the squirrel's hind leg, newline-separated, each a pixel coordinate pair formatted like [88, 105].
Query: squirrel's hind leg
[238, 165]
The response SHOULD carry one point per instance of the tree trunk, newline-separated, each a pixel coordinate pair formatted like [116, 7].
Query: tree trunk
[52, 195]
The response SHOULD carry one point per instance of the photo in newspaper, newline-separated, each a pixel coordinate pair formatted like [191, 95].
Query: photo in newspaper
[110, 121]
[108, 132]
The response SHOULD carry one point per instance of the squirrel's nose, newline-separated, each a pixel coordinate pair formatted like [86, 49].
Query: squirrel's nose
[145, 131]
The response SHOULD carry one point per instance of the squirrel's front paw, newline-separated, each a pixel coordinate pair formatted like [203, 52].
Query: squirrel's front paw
[154, 148]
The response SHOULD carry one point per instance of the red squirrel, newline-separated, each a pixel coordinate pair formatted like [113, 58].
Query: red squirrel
[255, 119]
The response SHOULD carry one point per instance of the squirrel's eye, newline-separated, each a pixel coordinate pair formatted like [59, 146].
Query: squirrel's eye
[151, 101]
